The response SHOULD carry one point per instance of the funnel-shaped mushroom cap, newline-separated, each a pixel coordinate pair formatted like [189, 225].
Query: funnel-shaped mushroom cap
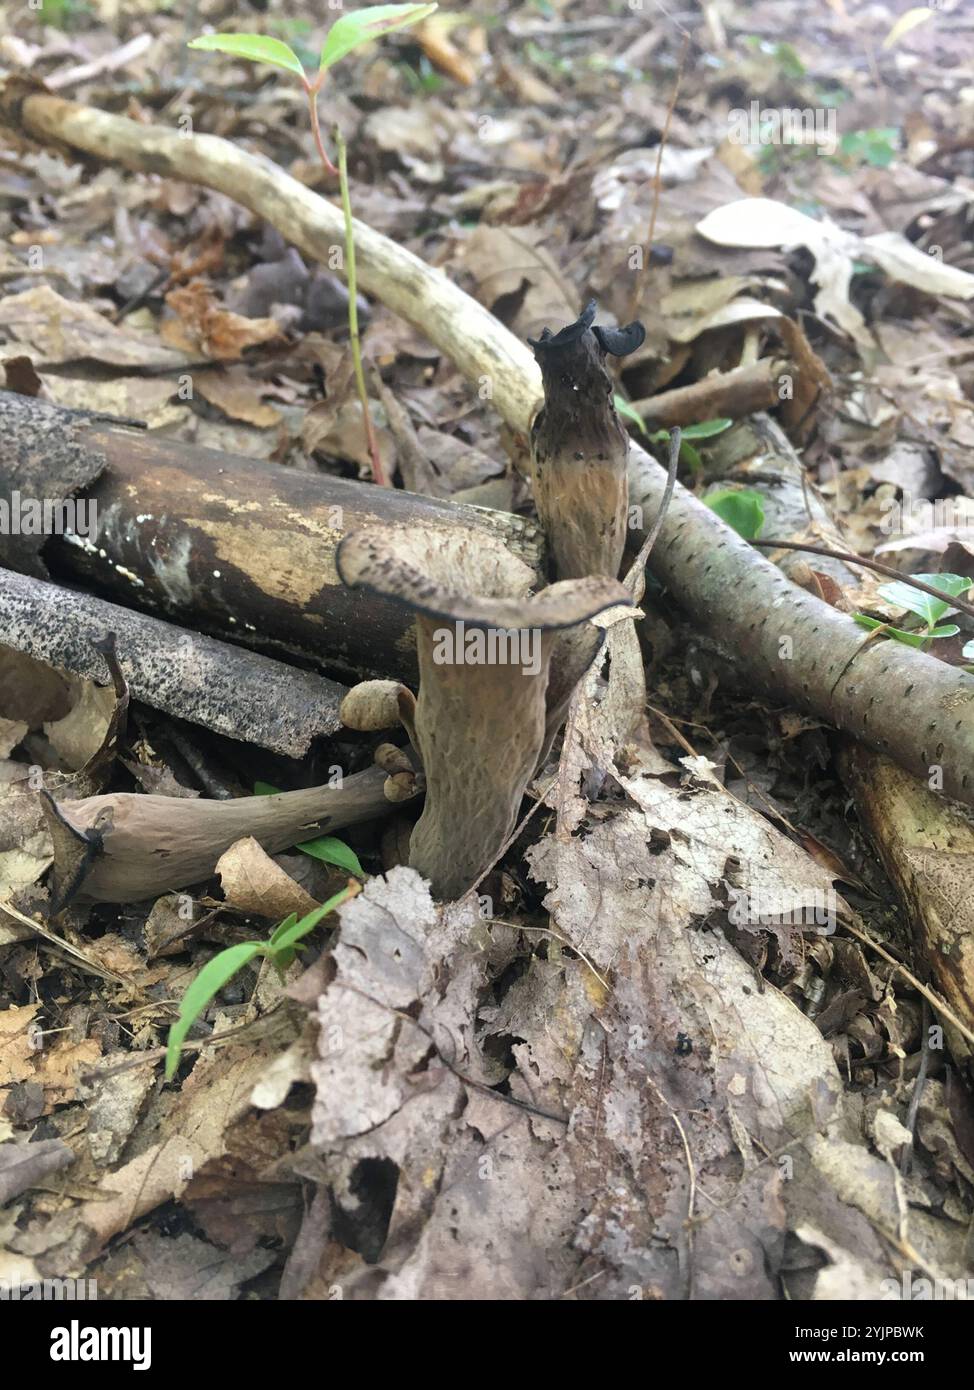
[464, 576]
[580, 448]
[484, 646]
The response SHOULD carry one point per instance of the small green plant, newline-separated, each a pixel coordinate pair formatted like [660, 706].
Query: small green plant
[63, 14]
[690, 456]
[740, 508]
[280, 949]
[874, 147]
[928, 609]
[783, 56]
[349, 32]
[328, 848]
[706, 429]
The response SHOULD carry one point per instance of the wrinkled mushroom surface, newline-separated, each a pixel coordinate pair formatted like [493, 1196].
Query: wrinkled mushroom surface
[579, 447]
[484, 647]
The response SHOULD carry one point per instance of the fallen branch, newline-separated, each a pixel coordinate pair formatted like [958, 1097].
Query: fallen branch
[237, 547]
[225, 688]
[794, 646]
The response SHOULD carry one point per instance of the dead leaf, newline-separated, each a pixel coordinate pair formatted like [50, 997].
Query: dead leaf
[252, 882]
[202, 325]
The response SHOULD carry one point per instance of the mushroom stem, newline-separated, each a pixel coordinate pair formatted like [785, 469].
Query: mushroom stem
[143, 845]
[480, 731]
[485, 651]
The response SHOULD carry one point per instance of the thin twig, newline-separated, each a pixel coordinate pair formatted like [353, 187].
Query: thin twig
[639, 564]
[637, 290]
[932, 999]
[562, 940]
[316, 128]
[480, 1086]
[875, 565]
[378, 475]
[78, 958]
[918, 1085]
[692, 1172]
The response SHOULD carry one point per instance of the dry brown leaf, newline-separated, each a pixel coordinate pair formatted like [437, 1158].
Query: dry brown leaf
[55, 330]
[252, 882]
[201, 324]
[237, 395]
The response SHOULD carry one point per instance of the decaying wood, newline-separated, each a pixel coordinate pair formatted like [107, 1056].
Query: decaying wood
[242, 549]
[214, 684]
[145, 845]
[927, 848]
[793, 646]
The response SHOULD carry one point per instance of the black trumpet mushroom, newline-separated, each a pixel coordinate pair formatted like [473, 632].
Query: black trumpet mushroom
[488, 703]
[579, 447]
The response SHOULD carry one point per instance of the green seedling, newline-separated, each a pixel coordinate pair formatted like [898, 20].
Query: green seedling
[706, 429]
[689, 455]
[280, 949]
[740, 508]
[928, 609]
[328, 848]
[876, 147]
[349, 32]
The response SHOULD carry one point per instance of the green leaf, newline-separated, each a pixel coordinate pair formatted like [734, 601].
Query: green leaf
[627, 413]
[257, 47]
[930, 609]
[331, 850]
[289, 933]
[911, 639]
[968, 650]
[362, 26]
[875, 147]
[208, 983]
[691, 457]
[327, 848]
[706, 429]
[740, 508]
[282, 927]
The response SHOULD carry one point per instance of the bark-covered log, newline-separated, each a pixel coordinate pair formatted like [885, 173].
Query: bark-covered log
[794, 646]
[222, 687]
[242, 549]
